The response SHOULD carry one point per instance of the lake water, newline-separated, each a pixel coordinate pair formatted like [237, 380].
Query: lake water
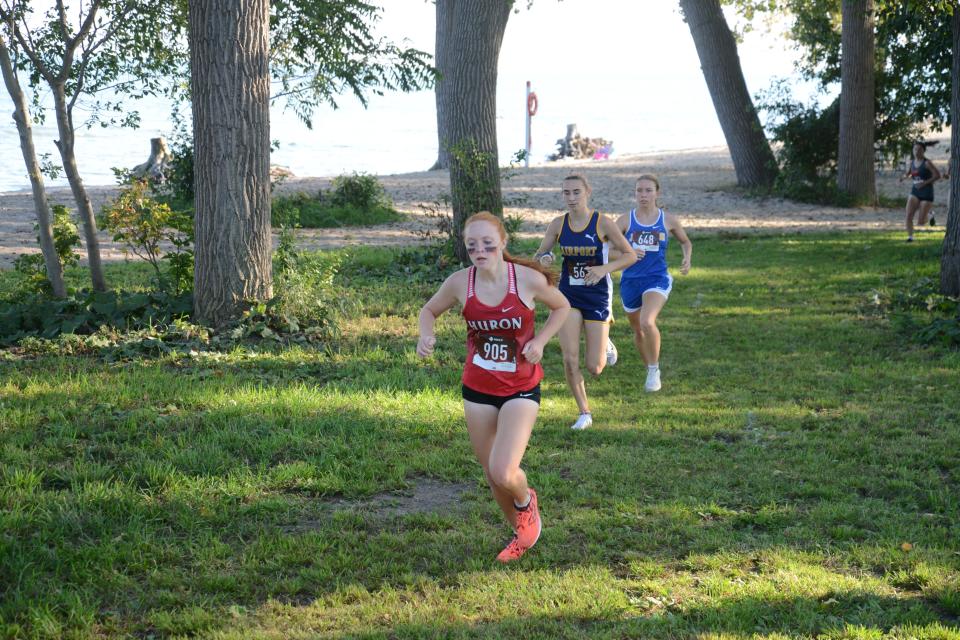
[639, 85]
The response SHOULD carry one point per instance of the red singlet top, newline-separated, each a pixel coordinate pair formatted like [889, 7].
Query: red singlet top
[495, 339]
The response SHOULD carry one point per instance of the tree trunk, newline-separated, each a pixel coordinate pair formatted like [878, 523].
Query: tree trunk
[21, 116]
[470, 110]
[752, 157]
[950, 255]
[441, 59]
[84, 208]
[855, 154]
[230, 82]
[155, 166]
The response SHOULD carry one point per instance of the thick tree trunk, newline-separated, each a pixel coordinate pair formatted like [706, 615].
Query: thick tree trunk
[21, 115]
[84, 208]
[950, 255]
[855, 154]
[230, 82]
[441, 60]
[470, 110]
[752, 157]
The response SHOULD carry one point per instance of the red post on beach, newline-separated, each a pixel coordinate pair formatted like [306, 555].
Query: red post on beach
[531, 111]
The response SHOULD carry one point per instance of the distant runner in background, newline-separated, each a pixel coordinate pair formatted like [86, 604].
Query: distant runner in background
[645, 286]
[923, 173]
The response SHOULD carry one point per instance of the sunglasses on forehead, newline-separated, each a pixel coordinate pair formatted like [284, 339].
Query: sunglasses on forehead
[489, 248]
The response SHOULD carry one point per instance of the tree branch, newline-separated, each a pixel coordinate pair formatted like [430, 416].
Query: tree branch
[64, 28]
[26, 44]
[75, 41]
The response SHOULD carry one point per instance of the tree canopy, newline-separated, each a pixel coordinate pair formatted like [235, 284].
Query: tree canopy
[913, 57]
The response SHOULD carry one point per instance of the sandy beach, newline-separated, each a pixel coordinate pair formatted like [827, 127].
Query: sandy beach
[699, 185]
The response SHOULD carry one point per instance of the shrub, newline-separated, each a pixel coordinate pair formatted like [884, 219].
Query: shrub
[66, 238]
[922, 312]
[360, 191]
[142, 224]
[353, 201]
[305, 296]
[808, 137]
[85, 312]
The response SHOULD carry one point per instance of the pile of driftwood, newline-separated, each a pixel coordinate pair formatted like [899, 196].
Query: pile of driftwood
[576, 146]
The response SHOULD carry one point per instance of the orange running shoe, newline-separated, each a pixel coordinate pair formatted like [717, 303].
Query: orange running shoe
[527, 532]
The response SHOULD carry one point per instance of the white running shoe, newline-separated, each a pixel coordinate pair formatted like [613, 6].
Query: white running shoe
[584, 421]
[611, 353]
[653, 380]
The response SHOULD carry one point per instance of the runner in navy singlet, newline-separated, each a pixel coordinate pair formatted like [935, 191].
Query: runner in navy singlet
[502, 372]
[584, 238]
[645, 286]
[923, 174]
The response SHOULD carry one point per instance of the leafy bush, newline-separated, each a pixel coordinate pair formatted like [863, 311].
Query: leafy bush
[320, 211]
[66, 238]
[923, 313]
[808, 138]
[360, 191]
[142, 224]
[304, 291]
[85, 312]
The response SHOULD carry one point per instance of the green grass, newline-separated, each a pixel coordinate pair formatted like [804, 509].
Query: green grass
[767, 492]
[311, 212]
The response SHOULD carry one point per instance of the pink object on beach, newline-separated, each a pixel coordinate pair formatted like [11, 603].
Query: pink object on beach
[602, 153]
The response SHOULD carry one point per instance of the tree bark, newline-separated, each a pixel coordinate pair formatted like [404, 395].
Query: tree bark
[470, 109]
[444, 30]
[855, 154]
[230, 82]
[69, 160]
[21, 115]
[156, 164]
[752, 157]
[950, 253]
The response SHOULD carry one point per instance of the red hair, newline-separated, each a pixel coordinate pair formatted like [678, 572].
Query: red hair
[486, 216]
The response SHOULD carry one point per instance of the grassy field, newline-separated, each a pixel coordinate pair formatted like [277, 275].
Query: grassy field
[797, 477]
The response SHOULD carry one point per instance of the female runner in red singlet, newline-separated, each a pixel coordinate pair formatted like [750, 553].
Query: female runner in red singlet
[502, 373]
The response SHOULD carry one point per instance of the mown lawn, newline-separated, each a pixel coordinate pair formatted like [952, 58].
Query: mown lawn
[797, 477]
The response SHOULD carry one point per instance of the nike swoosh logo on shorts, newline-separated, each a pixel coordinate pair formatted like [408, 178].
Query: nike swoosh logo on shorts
[524, 395]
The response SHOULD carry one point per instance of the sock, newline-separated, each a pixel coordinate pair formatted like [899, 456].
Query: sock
[522, 507]
[653, 367]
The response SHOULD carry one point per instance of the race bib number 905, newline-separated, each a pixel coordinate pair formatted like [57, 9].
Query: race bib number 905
[495, 353]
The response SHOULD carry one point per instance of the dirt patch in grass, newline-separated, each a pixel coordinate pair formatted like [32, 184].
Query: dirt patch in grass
[425, 496]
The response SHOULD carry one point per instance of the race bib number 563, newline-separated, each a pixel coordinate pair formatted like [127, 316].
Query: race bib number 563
[578, 271]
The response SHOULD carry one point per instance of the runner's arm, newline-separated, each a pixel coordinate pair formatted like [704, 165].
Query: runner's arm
[612, 234]
[544, 254]
[674, 226]
[445, 297]
[559, 308]
[623, 223]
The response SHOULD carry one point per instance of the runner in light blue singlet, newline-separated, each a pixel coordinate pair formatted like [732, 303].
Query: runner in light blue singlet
[650, 273]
